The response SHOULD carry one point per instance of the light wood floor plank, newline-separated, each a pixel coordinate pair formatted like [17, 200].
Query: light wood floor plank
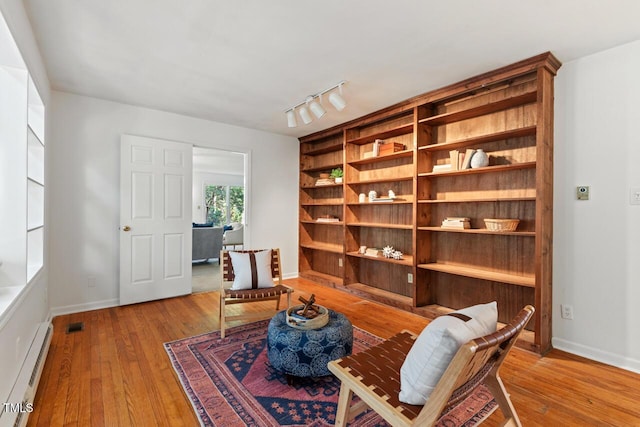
[116, 372]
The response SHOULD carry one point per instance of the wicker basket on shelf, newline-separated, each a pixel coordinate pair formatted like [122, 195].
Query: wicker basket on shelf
[494, 224]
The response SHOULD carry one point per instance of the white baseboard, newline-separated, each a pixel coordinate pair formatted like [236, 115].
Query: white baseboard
[77, 308]
[598, 355]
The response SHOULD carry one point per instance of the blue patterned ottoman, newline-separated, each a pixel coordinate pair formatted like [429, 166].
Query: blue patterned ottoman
[305, 353]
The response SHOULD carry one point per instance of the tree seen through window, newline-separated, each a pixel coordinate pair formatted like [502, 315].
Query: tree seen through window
[224, 203]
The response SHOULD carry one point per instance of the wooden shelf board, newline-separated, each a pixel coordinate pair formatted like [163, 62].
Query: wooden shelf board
[394, 202]
[480, 231]
[324, 150]
[380, 225]
[407, 259]
[326, 247]
[487, 169]
[489, 200]
[389, 133]
[498, 136]
[322, 223]
[481, 110]
[322, 204]
[313, 187]
[375, 181]
[322, 168]
[476, 273]
[392, 156]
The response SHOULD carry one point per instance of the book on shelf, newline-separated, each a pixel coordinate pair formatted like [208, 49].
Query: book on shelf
[372, 252]
[454, 156]
[327, 219]
[383, 200]
[442, 168]
[376, 147]
[466, 162]
[460, 223]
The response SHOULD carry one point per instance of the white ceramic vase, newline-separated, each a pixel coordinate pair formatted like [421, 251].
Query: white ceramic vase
[479, 159]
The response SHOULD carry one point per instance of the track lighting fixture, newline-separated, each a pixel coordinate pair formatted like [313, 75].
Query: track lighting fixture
[314, 103]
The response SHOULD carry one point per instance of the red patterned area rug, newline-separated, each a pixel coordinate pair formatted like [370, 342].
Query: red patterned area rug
[231, 383]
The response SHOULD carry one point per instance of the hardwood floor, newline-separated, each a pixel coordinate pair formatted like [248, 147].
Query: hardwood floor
[116, 373]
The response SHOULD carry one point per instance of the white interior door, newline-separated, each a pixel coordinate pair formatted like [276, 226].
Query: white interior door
[155, 219]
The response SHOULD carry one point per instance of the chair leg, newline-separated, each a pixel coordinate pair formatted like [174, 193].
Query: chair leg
[222, 319]
[344, 404]
[495, 385]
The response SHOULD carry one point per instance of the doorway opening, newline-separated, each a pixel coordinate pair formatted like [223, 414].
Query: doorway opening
[220, 195]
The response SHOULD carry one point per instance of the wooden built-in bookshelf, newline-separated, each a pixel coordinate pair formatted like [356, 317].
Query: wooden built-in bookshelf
[508, 113]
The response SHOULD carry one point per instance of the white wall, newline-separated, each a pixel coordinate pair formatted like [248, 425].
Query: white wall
[84, 216]
[597, 242]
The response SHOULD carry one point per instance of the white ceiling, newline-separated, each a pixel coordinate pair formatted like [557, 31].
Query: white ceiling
[246, 62]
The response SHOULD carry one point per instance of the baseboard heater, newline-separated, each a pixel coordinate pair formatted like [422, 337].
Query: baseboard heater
[24, 390]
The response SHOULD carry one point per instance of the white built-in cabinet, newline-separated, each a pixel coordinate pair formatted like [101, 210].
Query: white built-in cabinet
[22, 173]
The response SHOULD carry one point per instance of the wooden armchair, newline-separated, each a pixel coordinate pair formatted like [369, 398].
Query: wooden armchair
[229, 296]
[374, 375]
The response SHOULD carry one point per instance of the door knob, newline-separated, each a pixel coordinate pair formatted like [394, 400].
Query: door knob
[126, 228]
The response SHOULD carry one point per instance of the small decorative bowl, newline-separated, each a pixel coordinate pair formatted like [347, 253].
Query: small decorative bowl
[494, 224]
[299, 322]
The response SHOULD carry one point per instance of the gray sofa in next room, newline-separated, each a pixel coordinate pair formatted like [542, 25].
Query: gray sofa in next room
[207, 243]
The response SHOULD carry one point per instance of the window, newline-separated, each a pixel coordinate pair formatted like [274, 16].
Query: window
[224, 204]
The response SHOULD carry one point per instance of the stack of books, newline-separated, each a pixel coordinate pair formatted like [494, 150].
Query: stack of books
[457, 161]
[325, 181]
[460, 223]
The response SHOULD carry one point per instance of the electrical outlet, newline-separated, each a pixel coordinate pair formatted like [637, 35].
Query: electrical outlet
[566, 311]
[410, 278]
[91, 281]
[339, 262]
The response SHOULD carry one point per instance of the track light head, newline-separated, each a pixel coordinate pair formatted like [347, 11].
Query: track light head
[291, 118]
[304, 115]
[337, 101]
[315, 107]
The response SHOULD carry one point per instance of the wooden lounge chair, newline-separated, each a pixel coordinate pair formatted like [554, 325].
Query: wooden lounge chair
[229, 296]
[374, 376]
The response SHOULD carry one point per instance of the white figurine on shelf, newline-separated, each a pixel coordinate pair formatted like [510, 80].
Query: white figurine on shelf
[387, 251]
[392, 195]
